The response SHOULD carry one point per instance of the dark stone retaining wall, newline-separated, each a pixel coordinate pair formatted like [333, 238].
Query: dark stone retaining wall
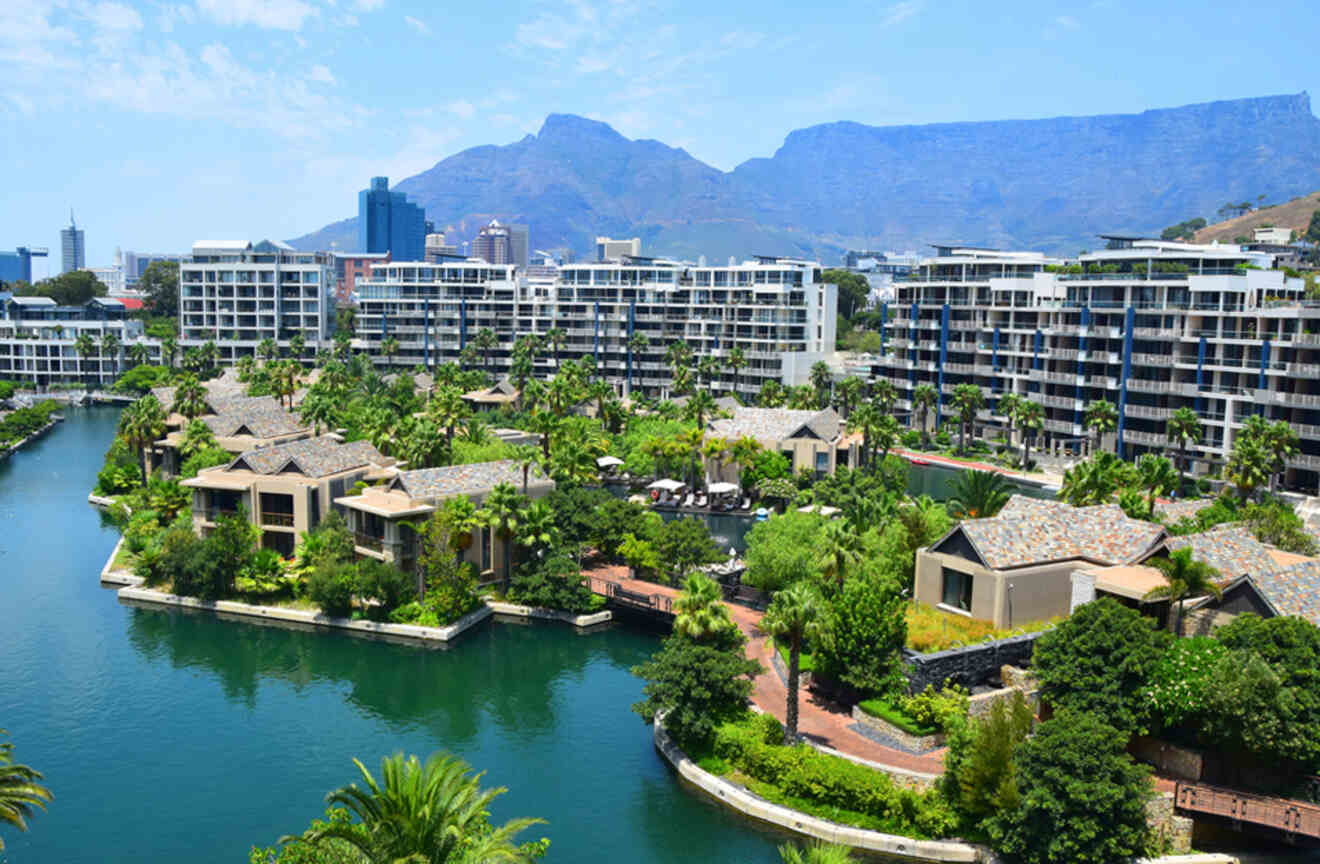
[969, 665]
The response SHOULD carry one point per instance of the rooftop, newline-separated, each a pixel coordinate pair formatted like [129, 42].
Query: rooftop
[437, 483]
[1231, 549]
[779, 424]
[1293, 590]
[311, 457]
[258, 420]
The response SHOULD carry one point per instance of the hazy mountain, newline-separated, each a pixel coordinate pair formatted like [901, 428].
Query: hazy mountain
[1041, 184]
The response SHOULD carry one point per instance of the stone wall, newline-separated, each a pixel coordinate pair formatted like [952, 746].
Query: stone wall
[905, 741]
[1173, 833]
[1016, 680]
[1181, 762]
[969, 665]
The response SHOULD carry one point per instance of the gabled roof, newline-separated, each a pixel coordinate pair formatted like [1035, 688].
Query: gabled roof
[1029, 532]
[501, 391]
[311, 457]
[30, 300]
[258, 421]
[451, 480]
[1231, 549]
[769, 425]
[1292, 590]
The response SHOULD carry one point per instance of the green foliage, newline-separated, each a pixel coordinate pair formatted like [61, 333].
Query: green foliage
[886, 709]
[1181, 683]
[575, 513]
[853, 290]
[1080, 797]
[160, 282]
[20, 790]
[466, 452]
[1096, 480]
[978, 766]
[384, 586]
[330, 542]
[1313, 227]
[944, 708]
[862, 634]
[263, 575]
[979, 494]
[208, 457]
[616, 519]
[1274, 521]
[783, 550]
[697, 685]
[553, 583]
[67, 289]
[684, 544]
[1097, 660]
[22, 422]
[140, 379]
[331, 586]
[1183, 230]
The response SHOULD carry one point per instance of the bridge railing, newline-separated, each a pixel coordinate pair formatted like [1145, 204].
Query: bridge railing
[1282, 814]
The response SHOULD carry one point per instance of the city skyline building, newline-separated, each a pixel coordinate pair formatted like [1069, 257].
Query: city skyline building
[609, 249]
[73, 247]
[16, 266]
[494, 244]
[389, 222]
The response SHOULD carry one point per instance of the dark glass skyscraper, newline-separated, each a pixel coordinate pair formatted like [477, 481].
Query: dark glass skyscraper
[73, 253]
[389, 222]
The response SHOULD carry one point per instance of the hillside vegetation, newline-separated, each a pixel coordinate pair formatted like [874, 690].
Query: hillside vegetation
[1294, 214]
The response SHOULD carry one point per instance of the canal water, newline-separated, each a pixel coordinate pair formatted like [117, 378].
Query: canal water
[170, 736]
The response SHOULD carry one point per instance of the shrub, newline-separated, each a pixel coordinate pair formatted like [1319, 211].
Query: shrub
[862, 635]
[263, 574]
[386, 584]
[978, 766]
[1180, 684]
[783, 550]
[141, 530]
[894, 714]
[207, 457]
[553, 583]
[331, 586]
[910, 439]
[943, 709]
[450, 600]
[697, 686]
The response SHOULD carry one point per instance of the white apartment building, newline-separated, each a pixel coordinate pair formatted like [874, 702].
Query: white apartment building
[39, 341]
[237, 293]
[1148, 325]
[776, 310]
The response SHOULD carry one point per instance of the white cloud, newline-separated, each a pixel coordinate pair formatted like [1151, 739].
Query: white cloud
[171, 14]
[266, 14]
[368, 5]
[461, 108]
[416, 24]
[321, 74]
[1060, 25]
[114, 16]
[900, 12]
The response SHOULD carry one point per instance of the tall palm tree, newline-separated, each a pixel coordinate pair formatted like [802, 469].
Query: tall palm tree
[1183, 428]
[1030, 417]
[20, 790]
[320, 408]
[197, 436]
[866, 420]
[771, 394]
[448, 408]
[707, 368]
[736, 361]
[924, 397]
[527, 457]
[821, 379]
[1008, 408]
[432, 813]
[545, 424]
[885, 436]
[267, 350]
[297, 343]
[500, 513]
[1158, 477]
[84, 346]
[699, 610]
[110, 345]
[139, 353]
[1250, 464]
[388, 348]
[979, 494]
[1101, 417]
[1187, 577]
[700, 405]
[715, 450]
[847, 393]
[169, 348]
[884, 395]
[743, 452]
[840, 547]
[791, 617]
[189, 397]
[142, 424]
[1095, 480]
[536, 527]
[286, 380]
[692, 440]
[485, 342]
[555, 338]
[967, 401]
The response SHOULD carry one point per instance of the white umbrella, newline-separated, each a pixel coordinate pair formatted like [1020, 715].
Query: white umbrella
[721, 488]
[666, 484]
[608, 461]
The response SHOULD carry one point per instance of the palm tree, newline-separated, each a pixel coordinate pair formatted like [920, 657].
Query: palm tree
[884, 395]
[1008, 408]
[1158, 477]
[297, 342]
[1101, 418]
[388, 348]
[20, 790]
[110, 345]
[715, 450]
[169, 347]
[527, 457]
[866, 420]
[197, 436]
[267, 350]
[924, 397]
[691, 440]
[139, 353]
[791, 617]
[1249, 465]
[847, 394]
[536, 527]
[141, 425]
[1030, 417]
[979, 494]
[1182, 428]
[771, 394]
[816, 852]
[432, 813]
[885, 436]
[500, 512]
[699, 610]
[699, 406]
[1281, 442]
[1095, 480]
[485, 342]
[1187, 577]
[821, 378]
[737, 361]
[286, 380]
[743, 452]
[555, 336]
[84, 346]
[707, 367]
[545, 424]
[967, 401]
[189, 397]
[840, 548]
[448, 408]
[320, 408]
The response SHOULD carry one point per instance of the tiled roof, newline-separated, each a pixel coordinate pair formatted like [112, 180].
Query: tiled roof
[1032, 531]
[436, 483]
[1231, 549]
[777, 424]
[260, 421]
[1293, 590]
[311, 457]
[1174, 511]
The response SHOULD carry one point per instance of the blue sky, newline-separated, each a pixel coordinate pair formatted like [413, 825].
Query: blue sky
[162, 123]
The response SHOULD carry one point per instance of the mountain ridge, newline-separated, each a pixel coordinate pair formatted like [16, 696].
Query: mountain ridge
[1050, 184]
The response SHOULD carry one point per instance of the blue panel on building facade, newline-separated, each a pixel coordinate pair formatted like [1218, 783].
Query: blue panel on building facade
[389, 222]
[1129, 321]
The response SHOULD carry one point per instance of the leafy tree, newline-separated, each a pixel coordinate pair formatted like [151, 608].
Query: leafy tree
[698, 685]
[1274, 521]
[737, 361]
[699, 611]
[84, 346]
[1080, 797]
[1097, 660]
[160, 284]
[1096, 480]
[684, 544]
[1182, 428]
[978, 767]
[1186, 577]
[793, 615]
[69, 289]
[1157, 476]
[866, 420]
[783, 550]
[554, 582]
[1313, 228]
[1101, 417]
[1249, 465]
[839, 548]
[847, 394]
[853, 290]
[432, 813]
[20, 790]
[967, 401]
[862, 634]
[1178, 691]
[141, 424]
[979, 494]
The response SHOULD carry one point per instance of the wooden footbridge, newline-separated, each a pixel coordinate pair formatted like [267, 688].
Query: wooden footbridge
[1295, 821]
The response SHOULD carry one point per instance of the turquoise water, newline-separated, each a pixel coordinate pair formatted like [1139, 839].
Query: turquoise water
[169, 736]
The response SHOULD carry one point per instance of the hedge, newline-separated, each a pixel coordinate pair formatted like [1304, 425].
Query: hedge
[891, 713]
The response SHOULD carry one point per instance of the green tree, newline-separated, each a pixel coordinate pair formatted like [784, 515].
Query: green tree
[536, 528]
[1080, 797]
[838, 548]
[1097, 660]
[979, 494]
[141, 425]
[1183, 428]
[267, 350]
[500, 512]
[555, 337]
[697, 685]
[84, 346]
[448, 408]
[1187, 577]
[853, 290]
[866, 420]
[783, 550]
[1030, 419]
[699, 611]
[169, 349]
[683, 545]
[861, 638]
[1096, 480]
[110, 346]
[197, 436]
[1157, 476]
[189, 397]
[485, 342]
[160, 284]
[924, 398]
[792, 616]
[1313, 228]
[20, 790]
[70, 289]
[821, 380]
[1101, 418]
[966, 402]
[1249, 464]
[848, 394]
[432, 813]
[737, 361]
[978, 766]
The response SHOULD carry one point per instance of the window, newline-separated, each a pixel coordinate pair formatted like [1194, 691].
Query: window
[957, 590]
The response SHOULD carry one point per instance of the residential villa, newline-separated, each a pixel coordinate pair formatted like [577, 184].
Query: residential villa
[239, 424]
[498, 395]
[810, 439]
[378, 515]
[285, 488]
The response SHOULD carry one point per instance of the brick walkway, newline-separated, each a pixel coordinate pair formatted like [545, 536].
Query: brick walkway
[949, 462]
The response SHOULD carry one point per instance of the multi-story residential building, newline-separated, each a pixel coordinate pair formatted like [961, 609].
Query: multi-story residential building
[776, 310]
[16, 266]
[1147, 325]
[389, 222]
[39, 340]
[350, 267]
[73, 249]
[238, 293]
[609, 249]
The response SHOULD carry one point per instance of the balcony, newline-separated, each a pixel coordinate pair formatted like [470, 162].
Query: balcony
[367, 541]
[277, 520]
[215, 514]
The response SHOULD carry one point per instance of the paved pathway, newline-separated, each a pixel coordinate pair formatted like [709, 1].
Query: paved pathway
[1034, 477]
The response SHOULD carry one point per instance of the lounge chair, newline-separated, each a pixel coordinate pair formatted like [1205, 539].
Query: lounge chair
[687, 500]
[746, 503]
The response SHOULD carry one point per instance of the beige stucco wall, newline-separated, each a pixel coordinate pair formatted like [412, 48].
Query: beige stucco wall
[1007, 598]
[297, 486]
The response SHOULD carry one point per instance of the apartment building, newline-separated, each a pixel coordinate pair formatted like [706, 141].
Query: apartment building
[776, 310]
[39, 340]
[1148, 325]
[237, 293]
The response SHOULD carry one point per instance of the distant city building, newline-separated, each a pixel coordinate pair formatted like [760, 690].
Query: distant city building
[73, 251]
[1273, 236]
[608, 249]
[389, 222]
[17, 265]
[880, 270]
[518, 242]
[494, 244]
[438, 248]
[135, 264]
[350, 267]
[112, 277]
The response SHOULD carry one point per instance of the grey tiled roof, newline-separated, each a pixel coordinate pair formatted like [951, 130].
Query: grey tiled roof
[1292, 590]
[1173, 511]
[1032, 531]
[777, 424]
[436, 483]
[260, 421]
[311, 457]
[1231, 549]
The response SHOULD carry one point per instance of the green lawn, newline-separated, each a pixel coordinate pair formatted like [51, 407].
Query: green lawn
[891, 713]
[806, 663]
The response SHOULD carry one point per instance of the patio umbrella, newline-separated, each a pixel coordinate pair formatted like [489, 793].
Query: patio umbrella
[666, 484]
[608, 461]
[721, 488]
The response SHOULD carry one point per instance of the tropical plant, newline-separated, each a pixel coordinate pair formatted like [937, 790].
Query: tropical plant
[839, 548]
[697, 685]
[979, 494]
[699, 611]
[501, 512]
[1030, 419]
[448, 408]
[792, 616]
[20, 790]
[169, 348]
[555, 338]
[1101, 417]
[847, 394]
[821, 379]
[884, 395]
[1187, 577]
[699, 406]
[978, 767]
[866, 420]
[1096, 480]
[431, 813]
[924, 398]
[1182, 428]
[84, 346]
[1157, 476]
[967, 400]
[141, 425]
[1249, 465]
[267, 350]
[737, 361]
[816, 852]
[536, 527]
[110, 346]
[197, 436]
[189, 397]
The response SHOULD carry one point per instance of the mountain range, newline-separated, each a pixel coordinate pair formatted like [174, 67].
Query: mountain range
[1051, 184]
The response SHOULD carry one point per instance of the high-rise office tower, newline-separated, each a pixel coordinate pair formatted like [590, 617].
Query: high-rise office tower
[494, 244]
[72, 251]
[518, 244]
[389, 222]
